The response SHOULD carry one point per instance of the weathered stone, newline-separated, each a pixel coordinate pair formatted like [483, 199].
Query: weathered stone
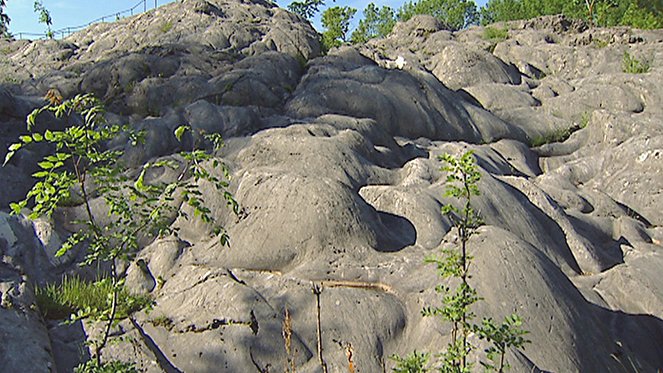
[335, 163]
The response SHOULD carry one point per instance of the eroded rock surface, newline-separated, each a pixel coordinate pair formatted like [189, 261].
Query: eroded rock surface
[334, 162]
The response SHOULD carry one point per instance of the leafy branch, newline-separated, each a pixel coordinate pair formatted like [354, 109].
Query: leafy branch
[82, 167]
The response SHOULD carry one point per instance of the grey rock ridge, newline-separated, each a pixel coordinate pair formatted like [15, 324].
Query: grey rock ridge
[334, 163]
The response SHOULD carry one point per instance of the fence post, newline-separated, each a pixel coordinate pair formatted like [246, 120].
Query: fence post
[144, 5]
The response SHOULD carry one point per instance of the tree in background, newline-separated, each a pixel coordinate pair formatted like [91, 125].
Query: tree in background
[507, 10]
[455, 14]
[336, 21]
[604, 13]
[306, 8]
[502, 10]
[377, 23]
[643, 17]
[44, 17]
[4, 20]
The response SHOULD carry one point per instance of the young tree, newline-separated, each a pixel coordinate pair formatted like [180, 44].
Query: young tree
[82, 166]
[455, 14]
[377, 23]
[462, 184]
[44, 17]
[336, 21]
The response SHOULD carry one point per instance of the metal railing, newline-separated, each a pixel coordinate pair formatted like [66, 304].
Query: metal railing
[66, 31]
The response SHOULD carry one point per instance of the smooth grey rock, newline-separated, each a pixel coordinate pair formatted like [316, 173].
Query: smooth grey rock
[139, 278]
[494, 96]
[334, 161]
[458, 67]
[26, 345]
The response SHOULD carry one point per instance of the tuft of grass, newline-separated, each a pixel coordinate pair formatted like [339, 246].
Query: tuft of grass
[495, 34]
[166, 27]
[601, 43]
[77, 298]
[632, 65]
[559, 135]
[584, 120]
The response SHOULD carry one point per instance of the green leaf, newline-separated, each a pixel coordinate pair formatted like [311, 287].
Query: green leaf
[31, 118]
[17, 207]
[45, 165]
[26, 139]
[49, 136]
[15, 147]
[62, 156]
[180, 131]
[37, 137]
[8, 157]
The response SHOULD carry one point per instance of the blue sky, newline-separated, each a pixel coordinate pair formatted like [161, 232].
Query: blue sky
[71, 13]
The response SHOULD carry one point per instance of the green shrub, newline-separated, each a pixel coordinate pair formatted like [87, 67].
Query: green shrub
[114, 366]
[495, 34]
[632, 65]
[77, 298]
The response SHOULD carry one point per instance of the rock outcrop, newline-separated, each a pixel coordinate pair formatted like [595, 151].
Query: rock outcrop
[334, 163]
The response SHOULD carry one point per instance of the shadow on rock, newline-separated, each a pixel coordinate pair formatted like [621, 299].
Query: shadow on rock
[400, 233]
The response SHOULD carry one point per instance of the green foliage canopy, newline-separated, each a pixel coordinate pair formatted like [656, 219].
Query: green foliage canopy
[377, 23]
[605, 13]
[336, 21]
[455, 14]
[306, 8]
